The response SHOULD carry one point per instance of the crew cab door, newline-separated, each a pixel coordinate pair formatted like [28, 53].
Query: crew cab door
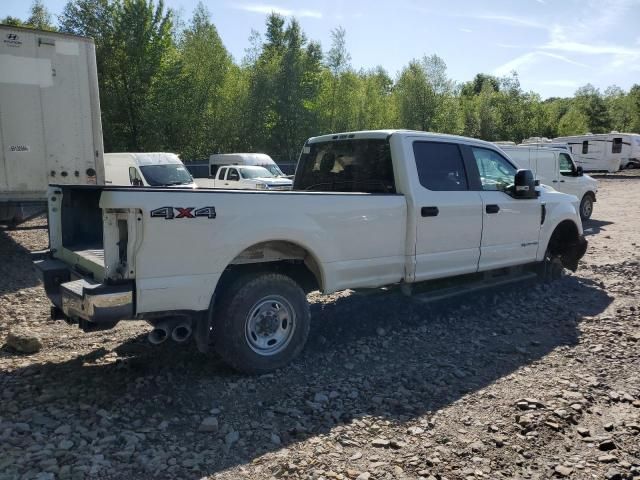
[449, 214]
[510, 226]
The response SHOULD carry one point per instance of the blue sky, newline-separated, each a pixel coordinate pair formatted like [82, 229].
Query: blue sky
[555, 46]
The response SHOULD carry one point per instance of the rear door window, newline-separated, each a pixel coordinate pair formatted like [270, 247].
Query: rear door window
[585, 147]
[440, 166]
[223, 173]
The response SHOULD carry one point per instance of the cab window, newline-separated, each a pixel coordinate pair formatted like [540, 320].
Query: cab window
[233, 175]
[566, 165]
[222, 174]
[346, 165]
[134, 177]
[496, 173]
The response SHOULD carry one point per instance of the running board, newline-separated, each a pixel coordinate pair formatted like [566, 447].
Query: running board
[472, 287]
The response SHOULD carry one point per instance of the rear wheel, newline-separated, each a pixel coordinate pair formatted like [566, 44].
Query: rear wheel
[261, 323]
[586, 206]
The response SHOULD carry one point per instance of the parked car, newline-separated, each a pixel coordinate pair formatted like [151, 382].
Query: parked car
[555, 167]
[248, 178]
[371, 209]
[146, 170]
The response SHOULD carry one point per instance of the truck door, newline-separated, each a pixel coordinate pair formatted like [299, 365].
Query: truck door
[233, 179]
[449, 214]
[567, 179]
[220, 179]
[510, 227]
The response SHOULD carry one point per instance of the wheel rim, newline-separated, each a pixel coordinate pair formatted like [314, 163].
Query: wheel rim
[270, 324]
[587, 207]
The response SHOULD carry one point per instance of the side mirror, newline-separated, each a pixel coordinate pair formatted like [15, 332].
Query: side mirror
[579, 171]
[524, 185]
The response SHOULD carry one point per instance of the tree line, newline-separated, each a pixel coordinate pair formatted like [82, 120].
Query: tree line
[167, 85]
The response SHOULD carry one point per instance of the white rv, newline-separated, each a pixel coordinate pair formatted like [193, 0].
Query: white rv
[50, 129]
[146, 170]
[604, 151]
[257, 159]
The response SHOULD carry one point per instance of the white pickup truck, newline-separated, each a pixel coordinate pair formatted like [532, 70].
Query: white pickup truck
[369, 209]
[245, 177]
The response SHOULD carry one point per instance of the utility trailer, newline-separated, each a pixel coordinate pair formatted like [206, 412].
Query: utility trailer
[50, 128]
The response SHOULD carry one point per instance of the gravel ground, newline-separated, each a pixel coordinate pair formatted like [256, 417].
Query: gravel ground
[528, 381]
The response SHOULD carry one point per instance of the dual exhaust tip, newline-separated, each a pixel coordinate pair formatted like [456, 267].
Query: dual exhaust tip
[179, 330]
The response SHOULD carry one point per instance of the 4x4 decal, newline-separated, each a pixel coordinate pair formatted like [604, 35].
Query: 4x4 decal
[169, 213]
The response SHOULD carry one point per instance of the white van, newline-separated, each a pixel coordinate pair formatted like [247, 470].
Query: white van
[555, 167]
[146, 170]
[258, 159]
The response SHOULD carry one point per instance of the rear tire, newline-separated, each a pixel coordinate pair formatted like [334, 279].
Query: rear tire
[586, 206]
[261, 323]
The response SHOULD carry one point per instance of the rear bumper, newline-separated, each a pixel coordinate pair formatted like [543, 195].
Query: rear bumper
[81, 298]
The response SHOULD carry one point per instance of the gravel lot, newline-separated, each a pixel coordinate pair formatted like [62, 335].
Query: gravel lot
[529, 381]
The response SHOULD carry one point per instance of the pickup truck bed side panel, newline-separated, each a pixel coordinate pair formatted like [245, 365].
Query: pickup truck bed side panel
[365, 246]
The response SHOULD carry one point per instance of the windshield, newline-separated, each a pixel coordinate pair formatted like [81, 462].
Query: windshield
[275, 170]
[167, 174]
[255, 172]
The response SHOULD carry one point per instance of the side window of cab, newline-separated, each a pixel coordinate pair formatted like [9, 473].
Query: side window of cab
[566, 165]
[134, 177]
[496, 173]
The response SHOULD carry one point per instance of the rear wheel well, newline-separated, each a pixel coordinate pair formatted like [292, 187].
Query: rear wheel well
[282, 257]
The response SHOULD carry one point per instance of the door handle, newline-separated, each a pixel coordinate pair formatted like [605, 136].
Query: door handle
[492, 209]
[561, 181]
[554, 181]
[429, 211]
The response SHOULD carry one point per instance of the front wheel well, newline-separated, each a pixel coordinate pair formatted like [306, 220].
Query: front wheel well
[566, 243]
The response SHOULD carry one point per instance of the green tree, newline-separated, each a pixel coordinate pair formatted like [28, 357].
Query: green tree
[574, 122]
[590, 102]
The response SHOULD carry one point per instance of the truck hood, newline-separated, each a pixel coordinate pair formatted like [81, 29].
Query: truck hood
[273, 181]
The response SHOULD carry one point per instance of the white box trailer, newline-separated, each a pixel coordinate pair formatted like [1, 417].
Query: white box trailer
[50, 128]
[604, 151]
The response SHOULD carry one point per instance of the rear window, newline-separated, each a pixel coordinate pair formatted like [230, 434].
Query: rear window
[346, 166]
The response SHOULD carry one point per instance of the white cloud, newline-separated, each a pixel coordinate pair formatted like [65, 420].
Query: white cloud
[286, 12]
[466, 30]
[524, 61]
[541, 2]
